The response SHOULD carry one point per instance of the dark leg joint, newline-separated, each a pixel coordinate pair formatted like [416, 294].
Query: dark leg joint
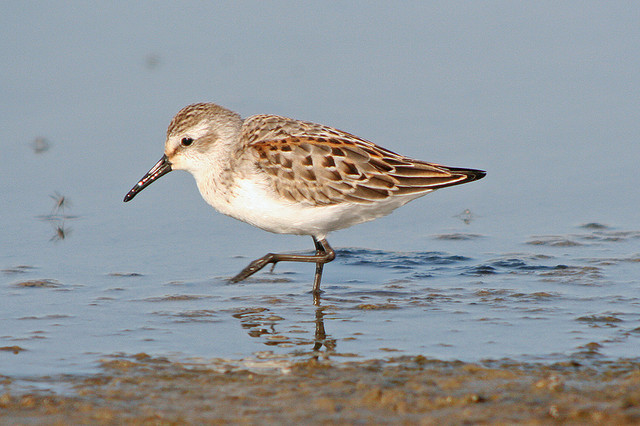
[324, 254]
[255, 266]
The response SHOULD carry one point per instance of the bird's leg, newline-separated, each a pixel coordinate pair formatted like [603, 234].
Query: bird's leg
[324, 254]
[321, 250]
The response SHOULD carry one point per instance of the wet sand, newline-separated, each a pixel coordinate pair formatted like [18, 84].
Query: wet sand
[406, 390]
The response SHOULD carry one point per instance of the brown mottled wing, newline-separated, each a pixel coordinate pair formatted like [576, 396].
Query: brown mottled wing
[319, 165]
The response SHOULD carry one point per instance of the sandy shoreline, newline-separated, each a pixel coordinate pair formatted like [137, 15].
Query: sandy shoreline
[409, 390]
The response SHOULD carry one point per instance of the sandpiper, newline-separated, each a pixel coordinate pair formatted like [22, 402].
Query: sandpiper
[292, 177]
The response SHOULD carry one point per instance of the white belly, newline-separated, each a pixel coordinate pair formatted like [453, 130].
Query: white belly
[253, 203]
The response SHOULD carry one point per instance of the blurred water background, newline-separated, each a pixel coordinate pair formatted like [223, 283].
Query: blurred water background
[538, 261]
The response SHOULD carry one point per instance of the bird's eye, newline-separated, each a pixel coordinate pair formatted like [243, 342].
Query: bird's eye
[186, 141]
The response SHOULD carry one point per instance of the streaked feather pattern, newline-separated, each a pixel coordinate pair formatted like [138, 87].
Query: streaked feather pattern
[319, 165]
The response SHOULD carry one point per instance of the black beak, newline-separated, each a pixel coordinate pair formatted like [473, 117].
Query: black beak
[161, 168]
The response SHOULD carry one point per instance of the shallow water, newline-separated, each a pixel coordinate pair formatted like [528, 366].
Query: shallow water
[538, 261]
[533, 305]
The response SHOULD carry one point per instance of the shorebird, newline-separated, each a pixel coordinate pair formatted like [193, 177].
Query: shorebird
[292, 177]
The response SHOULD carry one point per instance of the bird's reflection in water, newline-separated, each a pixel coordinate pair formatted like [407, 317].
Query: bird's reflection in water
[263, 323]
[320, 334]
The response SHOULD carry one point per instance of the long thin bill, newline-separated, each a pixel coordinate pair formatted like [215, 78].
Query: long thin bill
[161, 168]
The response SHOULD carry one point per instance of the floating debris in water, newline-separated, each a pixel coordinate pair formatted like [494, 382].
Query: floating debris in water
[191, 316]
[15, 349]
[599, 234]
[554, 241]
[590, 350]
[45, 283]
[177, 297]
[466, 216]
[595, 320]
[40, 145]
[20, 269]
[152, 61]
[579, 275]
[594, 225]
[376, 306]
[125, 274]
[457, 236]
